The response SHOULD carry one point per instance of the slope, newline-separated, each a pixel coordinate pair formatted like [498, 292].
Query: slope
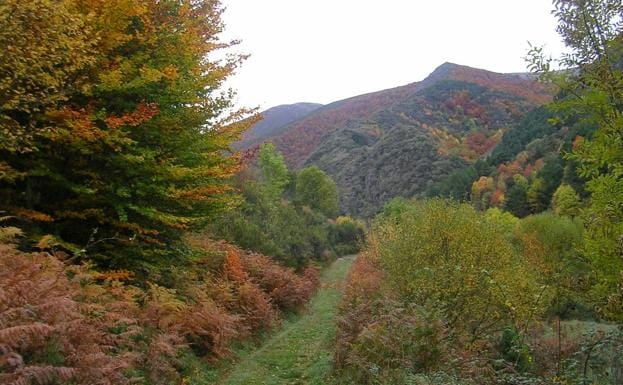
[397, 142]
[274, 120]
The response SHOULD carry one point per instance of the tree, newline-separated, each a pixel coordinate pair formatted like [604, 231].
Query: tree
[315, 189]
[481, 192]
[550, 244]
[592, 91]
[537, 196]
[504, 220]
[566, 201]
[127, 130]
[274, 170]
[517, 198]
[37, 77]
[456, 185]
[346, 235]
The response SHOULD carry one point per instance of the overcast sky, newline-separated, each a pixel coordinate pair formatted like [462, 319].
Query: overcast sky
[326, 50]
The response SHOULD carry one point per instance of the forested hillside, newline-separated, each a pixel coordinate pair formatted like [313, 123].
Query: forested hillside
[274, 121]
[397, 142]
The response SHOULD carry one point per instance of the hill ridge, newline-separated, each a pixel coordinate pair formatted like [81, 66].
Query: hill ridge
[396, 142]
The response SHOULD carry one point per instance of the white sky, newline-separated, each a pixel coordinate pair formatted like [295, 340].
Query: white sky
[326, 50]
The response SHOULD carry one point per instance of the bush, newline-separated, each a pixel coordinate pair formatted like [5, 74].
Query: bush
[287, 290]
[400, 340]
[72, 324]
[346, 235]
[46, 335]
[443, 292]
[448, 255]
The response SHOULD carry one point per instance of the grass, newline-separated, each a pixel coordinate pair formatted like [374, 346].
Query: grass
[300, 352]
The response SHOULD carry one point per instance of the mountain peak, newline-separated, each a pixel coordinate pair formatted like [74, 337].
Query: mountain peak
[445, 69]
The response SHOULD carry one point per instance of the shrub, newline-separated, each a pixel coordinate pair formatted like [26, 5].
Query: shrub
[287, 290]
[71, 324]
[346, 235]
[400, 340]
[45, 334]
[449, 256]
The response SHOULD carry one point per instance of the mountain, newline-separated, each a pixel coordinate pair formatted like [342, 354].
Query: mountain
[273, 120]
[399, 141]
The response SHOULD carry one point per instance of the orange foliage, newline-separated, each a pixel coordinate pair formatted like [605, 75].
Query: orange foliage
[479, 143]
[143, 113]
[113, 275]
[298, 142]
[510, 169]
[532, 91]
[497, 198]
[577, 142]
[362, 290]
[38, 314]
[31, 214]
[101, 325]
[363, 281]
[286, 289]
[232, 266]
[79, 121]
[462, 100]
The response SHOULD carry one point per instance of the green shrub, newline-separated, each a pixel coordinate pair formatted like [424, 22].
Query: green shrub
[399, 340]
[346, 235]
[448, 255]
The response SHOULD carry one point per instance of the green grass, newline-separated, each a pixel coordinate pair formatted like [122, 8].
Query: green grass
[300, 352]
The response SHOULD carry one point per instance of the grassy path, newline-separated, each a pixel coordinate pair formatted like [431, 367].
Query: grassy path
[299, 354]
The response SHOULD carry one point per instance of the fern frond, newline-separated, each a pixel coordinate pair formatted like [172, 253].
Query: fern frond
[18, 336]
[8, 234]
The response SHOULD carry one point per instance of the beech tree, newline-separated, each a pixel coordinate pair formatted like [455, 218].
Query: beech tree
[118, 131]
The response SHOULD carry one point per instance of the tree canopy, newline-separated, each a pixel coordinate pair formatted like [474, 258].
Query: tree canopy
[115, 131]
[314, 188]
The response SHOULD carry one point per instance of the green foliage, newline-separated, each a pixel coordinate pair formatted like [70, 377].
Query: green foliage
[292, 235]
[550, 243]
[593, 93]
[566, 201]
[274, 170]
[503, 220]
[514, 351]
[294, 231]
[535, 125]
[537, 196]
[448, 256]
[551, 175]
[517, 200]
[457, 185]
[315, 189]
[122, 126]
[346, 235]
[395, 208]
